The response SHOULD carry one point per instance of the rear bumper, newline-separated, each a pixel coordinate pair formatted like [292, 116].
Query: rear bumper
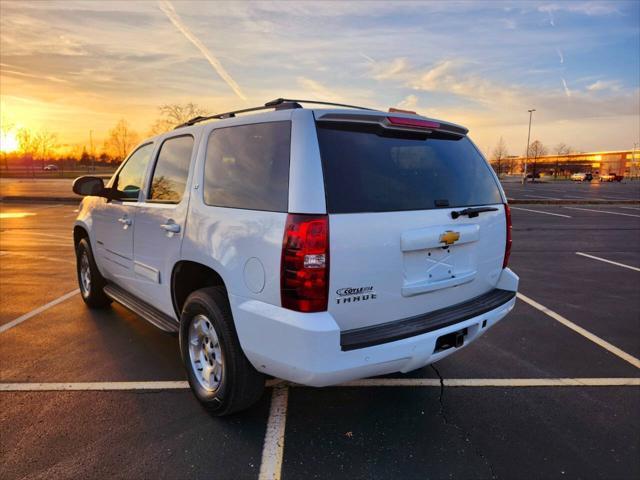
[305, 348]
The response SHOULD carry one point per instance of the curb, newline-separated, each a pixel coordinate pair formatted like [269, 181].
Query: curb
[64, 200]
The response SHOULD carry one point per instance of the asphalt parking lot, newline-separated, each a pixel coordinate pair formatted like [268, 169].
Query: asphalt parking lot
[553, 391]
[574, 191]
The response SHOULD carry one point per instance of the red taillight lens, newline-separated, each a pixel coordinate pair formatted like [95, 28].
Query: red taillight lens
[507, 248]
[412, 122]
[304, 273]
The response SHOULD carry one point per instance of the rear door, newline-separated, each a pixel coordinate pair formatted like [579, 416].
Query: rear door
[161, 220]
[401, 243]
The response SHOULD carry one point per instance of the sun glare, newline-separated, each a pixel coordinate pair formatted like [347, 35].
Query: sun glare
[8, 142]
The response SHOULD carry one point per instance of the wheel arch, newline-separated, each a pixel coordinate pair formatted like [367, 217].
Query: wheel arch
[79, 232]
[187, 277]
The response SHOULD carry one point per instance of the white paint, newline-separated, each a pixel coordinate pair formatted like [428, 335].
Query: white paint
[608, 261]
[630, 208]
[585, 333]
[90, 386]
[273, 448]
[494, 382]
[33, 313]
[281, 403]
[539, 211]
[68, 238]
[603, 211]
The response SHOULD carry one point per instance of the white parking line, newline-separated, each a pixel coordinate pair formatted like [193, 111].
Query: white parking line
[273, 448]
[32, 313]
[494, 382]
[603, 211]
[608, 261]
[585, 333]
[92, 386]
[539, 211]
[629, 208]
[279, 406]
[26, 233]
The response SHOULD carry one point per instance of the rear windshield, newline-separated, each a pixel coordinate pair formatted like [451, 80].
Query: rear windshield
[368, 170]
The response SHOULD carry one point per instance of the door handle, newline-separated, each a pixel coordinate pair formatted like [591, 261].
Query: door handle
[125, 221]
[171, 227]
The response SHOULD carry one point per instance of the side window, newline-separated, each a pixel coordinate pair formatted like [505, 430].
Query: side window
[248, 167]
[172, 168]
[131, 175]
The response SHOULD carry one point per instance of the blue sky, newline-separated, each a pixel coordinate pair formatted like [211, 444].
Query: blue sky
[70, 66]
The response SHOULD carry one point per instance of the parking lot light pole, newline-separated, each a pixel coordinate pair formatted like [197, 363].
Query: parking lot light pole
[526, 159]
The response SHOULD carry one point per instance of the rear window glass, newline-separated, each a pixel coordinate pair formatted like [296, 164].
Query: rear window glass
[365, 171]
[248, 167]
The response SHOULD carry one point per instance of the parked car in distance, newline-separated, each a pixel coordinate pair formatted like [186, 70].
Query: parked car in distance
[51, 167]
[581, 177]
[611, 177]
[313, 245]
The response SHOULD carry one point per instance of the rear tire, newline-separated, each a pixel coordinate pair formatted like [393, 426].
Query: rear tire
[90, 280]
[220, 375]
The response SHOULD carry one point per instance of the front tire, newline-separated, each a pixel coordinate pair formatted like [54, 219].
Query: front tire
[90, 280]
[219, 373]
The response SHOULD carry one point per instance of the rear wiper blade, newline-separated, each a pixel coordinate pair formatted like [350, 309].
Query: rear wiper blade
[472, 212]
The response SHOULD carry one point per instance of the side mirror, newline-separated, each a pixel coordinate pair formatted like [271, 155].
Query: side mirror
[87, 186]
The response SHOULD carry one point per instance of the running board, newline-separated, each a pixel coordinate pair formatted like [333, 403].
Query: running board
[146, 311]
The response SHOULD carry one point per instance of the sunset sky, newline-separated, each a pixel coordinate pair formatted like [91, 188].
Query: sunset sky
[71, 67]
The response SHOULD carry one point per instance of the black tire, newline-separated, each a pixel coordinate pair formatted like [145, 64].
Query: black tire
[240, 385]
[94, 296]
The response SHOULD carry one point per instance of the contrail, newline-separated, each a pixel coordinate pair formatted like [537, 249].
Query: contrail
[367, 57]
[171, 13]
[567, 92]
[560, 55]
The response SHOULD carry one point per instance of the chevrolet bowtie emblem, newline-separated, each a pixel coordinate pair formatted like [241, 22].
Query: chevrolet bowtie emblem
[449, 237]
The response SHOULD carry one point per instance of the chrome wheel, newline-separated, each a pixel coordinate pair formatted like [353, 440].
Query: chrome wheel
[205, 353]
[85, 274]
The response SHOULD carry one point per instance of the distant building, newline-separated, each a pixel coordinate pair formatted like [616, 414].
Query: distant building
[620, 162]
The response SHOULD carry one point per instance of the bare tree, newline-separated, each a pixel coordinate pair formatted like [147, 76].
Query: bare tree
[28, 146]
[46, 143]
[27, 141]
[536, 150]
[560, 149]
[174, 114]
[121, 140]
[499, 155]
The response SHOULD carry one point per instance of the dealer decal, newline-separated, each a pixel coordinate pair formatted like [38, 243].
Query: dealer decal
[355, 294]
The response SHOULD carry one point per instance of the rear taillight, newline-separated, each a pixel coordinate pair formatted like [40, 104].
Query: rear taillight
[507, 248]
[304, 273]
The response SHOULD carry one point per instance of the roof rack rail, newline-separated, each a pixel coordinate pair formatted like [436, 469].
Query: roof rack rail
[278, 104]
[279, 101]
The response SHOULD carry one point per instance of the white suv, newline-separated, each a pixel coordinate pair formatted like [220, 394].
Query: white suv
[313, 245]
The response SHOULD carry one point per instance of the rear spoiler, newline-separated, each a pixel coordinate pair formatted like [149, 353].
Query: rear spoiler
[396, 123]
